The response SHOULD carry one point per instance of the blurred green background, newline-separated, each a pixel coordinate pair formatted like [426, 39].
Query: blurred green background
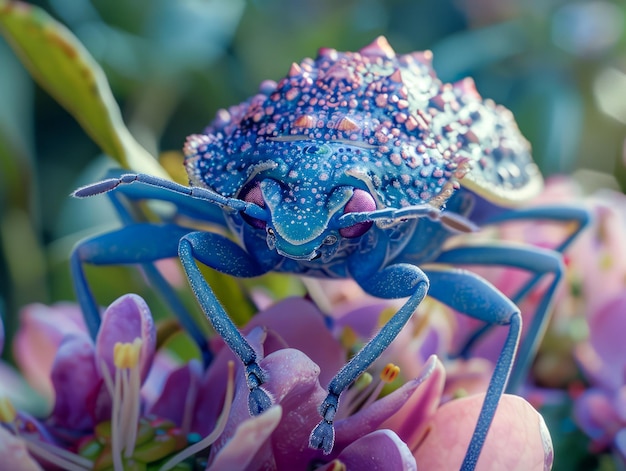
[559, 65]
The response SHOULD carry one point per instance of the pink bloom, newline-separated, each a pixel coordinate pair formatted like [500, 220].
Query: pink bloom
[15, 454]
[601, 410]
[45, 327]
[518, 439]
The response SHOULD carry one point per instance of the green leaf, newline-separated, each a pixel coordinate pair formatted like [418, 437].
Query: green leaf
[64, 68]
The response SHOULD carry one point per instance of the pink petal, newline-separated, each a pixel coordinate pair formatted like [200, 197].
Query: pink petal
[209, 404]
[518, 439]
[380, 450]
[243, 450]
[42, 328]
[470, 376]
[126, 319]
[14, 453]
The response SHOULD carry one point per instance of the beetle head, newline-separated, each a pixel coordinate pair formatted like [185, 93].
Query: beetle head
[300, 211]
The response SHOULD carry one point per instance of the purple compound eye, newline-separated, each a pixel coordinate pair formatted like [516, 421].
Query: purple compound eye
[360, 202]
[253, 194]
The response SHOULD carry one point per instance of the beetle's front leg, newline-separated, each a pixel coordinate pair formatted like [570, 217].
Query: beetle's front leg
[223, 255]
[396, 281]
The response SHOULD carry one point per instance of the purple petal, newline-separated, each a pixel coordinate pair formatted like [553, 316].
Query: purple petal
[180, 384]
[42, 328]
[405, 411]
[164, 364]
[595, 415]
[209, 404]
[301, 325]
[380, 450]
[293, 383]
[363, 319]
[126, 319]
[75, 378]
[607, 340]
[14, 453]
[245, 450]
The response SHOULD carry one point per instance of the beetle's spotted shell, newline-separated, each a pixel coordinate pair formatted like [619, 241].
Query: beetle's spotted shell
[414, 136]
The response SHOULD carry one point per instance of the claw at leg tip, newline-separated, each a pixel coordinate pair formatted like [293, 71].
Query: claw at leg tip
[259, 401]
[323, 437]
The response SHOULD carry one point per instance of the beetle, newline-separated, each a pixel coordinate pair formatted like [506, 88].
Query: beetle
[356, 164]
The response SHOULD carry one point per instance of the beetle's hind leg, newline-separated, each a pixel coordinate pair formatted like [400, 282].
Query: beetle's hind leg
[395, 281]
[472, 295]
[223, 255]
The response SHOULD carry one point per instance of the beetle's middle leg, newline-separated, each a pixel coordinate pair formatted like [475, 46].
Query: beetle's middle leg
[222, 254]
[395, 281]
[539, 262]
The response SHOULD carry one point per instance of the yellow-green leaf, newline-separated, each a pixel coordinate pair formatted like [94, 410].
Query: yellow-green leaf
[66, 70]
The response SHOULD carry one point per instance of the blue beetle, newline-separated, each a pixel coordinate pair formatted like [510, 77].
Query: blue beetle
[354, 165]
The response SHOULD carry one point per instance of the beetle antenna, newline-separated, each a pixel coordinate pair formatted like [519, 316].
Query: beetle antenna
[389, 216]
[205, 194]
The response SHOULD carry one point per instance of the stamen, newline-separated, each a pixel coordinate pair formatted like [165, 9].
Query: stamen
[219, 427]
[368, 395]
[126, 355]
[430, 307]
[7, 411]
[337, 465]
[116, 429]
[190, 401]
[126, 399]
[56, 455]
[354, 396]
[390, 373]
[385, 316]
[348, 338]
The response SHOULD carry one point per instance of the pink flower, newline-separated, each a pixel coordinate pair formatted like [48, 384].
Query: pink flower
[601, 410]
[45, 327]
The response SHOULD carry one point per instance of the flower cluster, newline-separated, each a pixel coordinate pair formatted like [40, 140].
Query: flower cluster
[120, 401]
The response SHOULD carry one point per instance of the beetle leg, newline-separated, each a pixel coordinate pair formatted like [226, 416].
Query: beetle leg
[472, 295]
[395, 281]
[222, 254]
[538, 261]
[120, 201]
[133, 244]
[557, 214]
